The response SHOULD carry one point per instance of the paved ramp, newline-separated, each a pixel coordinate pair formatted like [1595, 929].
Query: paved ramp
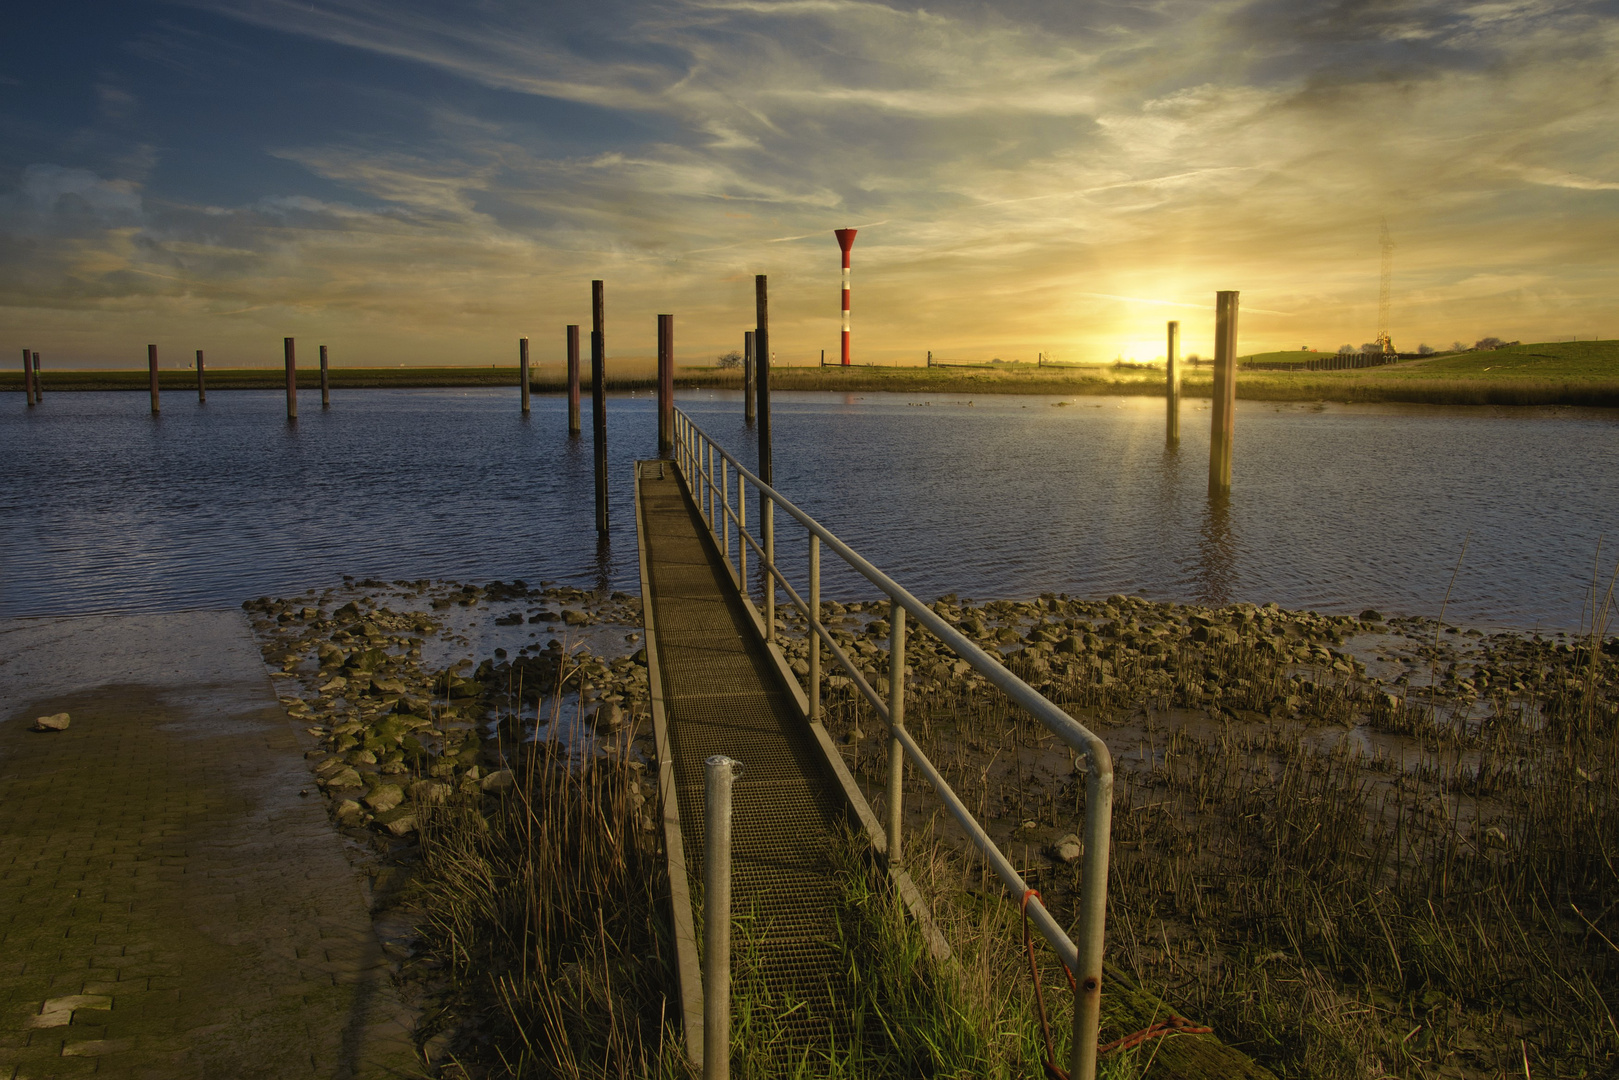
[723, 695]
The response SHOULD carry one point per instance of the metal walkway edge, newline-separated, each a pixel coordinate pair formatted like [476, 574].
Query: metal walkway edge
[721, 694]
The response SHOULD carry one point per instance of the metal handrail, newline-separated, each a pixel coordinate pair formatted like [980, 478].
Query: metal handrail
[1082, 959]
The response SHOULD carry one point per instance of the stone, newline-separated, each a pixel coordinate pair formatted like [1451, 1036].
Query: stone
[429, 792]
[54, 722]
[1069, 848]
[343, 778]
[398, 821]
[499, 780]
[570, 617]
[349, 812]
[608, 717]
[385, 797]
[1371, 615]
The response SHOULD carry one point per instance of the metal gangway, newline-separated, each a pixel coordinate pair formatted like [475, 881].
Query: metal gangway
[721, 685]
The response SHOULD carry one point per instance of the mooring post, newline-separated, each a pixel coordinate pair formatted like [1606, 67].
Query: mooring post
[720, 773]
[1225, 392]
[151, 371]
[202, 385]
[522, 370]
[325, 381]
[1172, 381]
[761, 353]
[27, 378]
[292, 378]
[598, 399]
[748, 377]
[573, 379]
[896, 721]
[666, 383]
[39, 384]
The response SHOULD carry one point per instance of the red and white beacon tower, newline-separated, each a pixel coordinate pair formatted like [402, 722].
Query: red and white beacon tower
[845, 241]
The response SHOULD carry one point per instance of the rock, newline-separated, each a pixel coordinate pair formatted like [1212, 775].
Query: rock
[385, 797]
[342, 778]
[800, 667]
[349, 812]
[570, 617]
[499, 780]
[54, 722]
[1371, 615]
[429, 792]
[398, 821]
[608, 717]
[1068, 848]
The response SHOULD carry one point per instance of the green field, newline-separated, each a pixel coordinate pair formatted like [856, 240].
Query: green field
[1548, 373]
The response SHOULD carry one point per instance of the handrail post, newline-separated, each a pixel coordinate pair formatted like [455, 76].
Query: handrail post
[725, 508]
[814, 627]
[721, 773]
[741, 535]
[711, 500]
[769, 524]
[896, 721]
[1092, 912]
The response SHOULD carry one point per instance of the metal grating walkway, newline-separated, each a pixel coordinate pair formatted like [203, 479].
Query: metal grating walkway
[722, 695]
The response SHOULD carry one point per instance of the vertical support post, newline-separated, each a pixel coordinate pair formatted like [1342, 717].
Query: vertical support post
[761, 353]
[292, 378]
[815, 626]
[151, 372]
[39, 384]
[202, 381]
[1225, 392]
[768, 525]
[598, 398]
[573, 379]
[1092, 912]
[325, 380]
[708, 477]
[1172, 384]
[720, 773]
[742, 534]
[725, 509]
[896, 721]
[666, 383]
[749, 377]
[522, 371]
[27, 378]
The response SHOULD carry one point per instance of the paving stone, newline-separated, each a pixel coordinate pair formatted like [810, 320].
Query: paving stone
[156, 854]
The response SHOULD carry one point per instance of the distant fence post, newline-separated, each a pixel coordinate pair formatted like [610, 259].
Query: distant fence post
[151, 371]
[573, 379]
[1172, 379]
[1225, 392]
[522, 370]
[27, 378]
[598, 398]
[290, 350]
[749, 376]
[325, 381]
[202, 384]
[666, 383]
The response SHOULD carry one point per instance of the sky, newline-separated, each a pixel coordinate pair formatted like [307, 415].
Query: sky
[424, 183]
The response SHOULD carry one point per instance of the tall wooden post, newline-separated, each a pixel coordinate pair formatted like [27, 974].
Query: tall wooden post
[151, 371]
[39, 384]
[666, 383]
[573, 379]
[598, 399]
[325, 381]
[292, 378]
[522, 370]
[27, 378]
[1172, 387]
[761, 364]
[749, 375]
[1225, 392]
[202, 385]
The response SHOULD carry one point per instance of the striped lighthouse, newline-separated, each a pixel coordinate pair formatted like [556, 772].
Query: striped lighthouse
[845, 241]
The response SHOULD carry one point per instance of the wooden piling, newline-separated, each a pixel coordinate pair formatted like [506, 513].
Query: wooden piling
[325, 381]
[761, 352]
[749, 377]
[573, 379]
[522, 370]
[598, 399]
[151, 370]
[1225, 392]
[202, 385]
[27, 378]
[1172, 387]
[39, 384]
[292, 378]
[666, 383]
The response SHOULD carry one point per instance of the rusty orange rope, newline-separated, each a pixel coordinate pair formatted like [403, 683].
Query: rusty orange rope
[1173, 1025]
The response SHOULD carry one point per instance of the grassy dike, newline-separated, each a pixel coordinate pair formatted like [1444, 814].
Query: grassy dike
[1582, 373]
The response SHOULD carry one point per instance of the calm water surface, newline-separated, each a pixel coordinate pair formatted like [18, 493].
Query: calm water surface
[103, 508]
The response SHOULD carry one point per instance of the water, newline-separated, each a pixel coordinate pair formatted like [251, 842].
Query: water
[1337, 508]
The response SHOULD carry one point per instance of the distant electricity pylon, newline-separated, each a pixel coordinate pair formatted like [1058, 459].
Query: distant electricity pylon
[1384, 341]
